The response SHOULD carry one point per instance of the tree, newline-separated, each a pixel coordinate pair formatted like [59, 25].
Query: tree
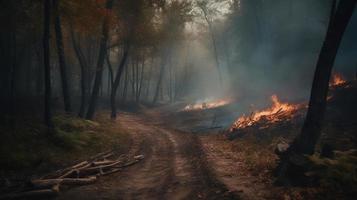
[203, 5]
[61, 56]
[100, 62]
[117, 81]
[305, 143]
[175, 15]
[47, 67]
[84, 71]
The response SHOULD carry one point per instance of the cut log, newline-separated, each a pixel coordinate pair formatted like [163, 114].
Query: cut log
[61, 172]
[48, 183]
[105, 162]
[96, 169]
[103, 155]
[110, 171]
[33, 194]
[139, 157]
[74, 171]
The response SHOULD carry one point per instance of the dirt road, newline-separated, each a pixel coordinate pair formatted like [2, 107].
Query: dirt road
[174, 167]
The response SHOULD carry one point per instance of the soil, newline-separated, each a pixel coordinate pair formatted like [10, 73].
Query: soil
[175, 167]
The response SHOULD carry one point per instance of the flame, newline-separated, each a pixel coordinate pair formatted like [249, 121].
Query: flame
[277, 112]
[337, 80]
[207, 105]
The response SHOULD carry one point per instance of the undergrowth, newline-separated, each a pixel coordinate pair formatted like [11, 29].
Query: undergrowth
[28, 148]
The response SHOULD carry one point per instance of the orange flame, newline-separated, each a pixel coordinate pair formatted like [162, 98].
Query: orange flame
[277, 112]
[337, 80]
[207, 105]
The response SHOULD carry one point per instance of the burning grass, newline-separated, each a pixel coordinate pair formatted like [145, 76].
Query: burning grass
[336, 80]
[207, 105]
[278, 112]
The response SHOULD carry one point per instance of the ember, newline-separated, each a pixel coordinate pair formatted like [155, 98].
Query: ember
[277, 112]
[337, 80]
[207, 105]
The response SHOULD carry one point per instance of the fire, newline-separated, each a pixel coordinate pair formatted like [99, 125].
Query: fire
[337, 80]
[277, 112]
[207, 105]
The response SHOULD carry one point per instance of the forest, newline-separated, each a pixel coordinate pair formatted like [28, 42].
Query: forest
[178, 99]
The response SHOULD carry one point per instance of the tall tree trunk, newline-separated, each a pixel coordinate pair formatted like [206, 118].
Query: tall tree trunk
[47, 67]
[149, 79]
[61, 56]
[84, 75]
[110, 73]
[125, 88]
[305, 143]
[39, 72]
[141, 80]
[137, 79]
[161, 77]
[312, 127]
[214, 43]
[117, 81]
[132, 79]
[100, 63]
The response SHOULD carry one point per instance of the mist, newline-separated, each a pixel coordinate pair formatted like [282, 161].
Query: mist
[266, 48]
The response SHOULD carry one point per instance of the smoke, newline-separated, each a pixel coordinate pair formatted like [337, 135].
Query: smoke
[268, 48]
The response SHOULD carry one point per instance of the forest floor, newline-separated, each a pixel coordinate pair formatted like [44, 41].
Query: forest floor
[174, 167]
[183, 157]
[183, 165]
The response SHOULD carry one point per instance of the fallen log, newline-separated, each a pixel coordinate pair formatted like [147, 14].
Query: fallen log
[105, 162]
[48, 183]
[64, 171]
[74, 171]
[32, 194]
[94, 170]
[110, 172]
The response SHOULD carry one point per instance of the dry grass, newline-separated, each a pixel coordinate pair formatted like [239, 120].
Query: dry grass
[247, 167]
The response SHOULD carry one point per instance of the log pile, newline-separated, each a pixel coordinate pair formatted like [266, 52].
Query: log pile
[82, 173]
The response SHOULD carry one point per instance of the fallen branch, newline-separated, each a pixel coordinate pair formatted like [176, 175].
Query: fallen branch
[46, 183]
[83, 173]
[33, 193]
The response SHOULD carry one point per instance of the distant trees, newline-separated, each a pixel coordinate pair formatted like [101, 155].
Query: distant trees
[305, 143]
[100, 61]
[204, 6]
[125, 39]
[174, 17]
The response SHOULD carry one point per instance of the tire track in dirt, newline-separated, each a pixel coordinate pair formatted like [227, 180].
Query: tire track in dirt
[174, 167]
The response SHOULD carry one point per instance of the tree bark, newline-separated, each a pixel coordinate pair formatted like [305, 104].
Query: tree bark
[312, 127]
[61, 56]
[47, 67]
[125, 88]
[84, 75]
[161, 76]
[100, 63]
[141, 80]
[214, 43]
[117, 81]
[305, 143]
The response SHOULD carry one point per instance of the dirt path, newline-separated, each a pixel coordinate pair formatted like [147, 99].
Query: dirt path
[174, 168]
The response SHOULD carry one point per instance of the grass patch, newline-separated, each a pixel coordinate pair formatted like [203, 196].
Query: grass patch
[26, 148]
[338, 174]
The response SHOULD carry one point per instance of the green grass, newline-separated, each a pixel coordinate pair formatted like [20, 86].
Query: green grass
[27, 148]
